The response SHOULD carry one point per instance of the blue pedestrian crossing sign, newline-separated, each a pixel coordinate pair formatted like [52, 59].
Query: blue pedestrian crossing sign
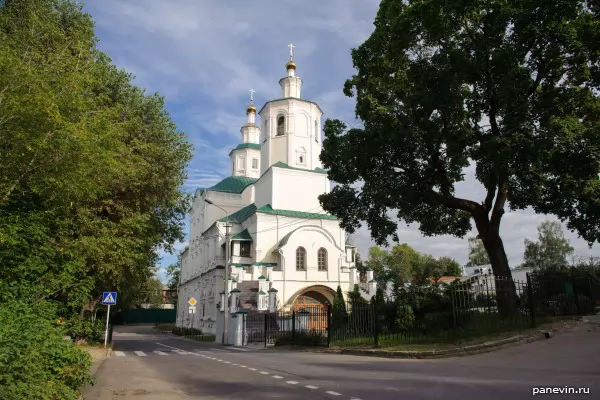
[109, 298]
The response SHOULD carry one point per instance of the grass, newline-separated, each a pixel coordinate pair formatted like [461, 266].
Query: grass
[164, 327]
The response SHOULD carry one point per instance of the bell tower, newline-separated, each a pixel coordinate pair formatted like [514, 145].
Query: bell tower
[291, 131]
[245, 158]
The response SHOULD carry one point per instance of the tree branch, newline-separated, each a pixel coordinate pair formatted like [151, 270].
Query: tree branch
[498, 210]
[538, 79]
[456, 203]
[491, 193]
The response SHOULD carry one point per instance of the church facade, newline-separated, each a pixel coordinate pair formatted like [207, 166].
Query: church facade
[280, 237]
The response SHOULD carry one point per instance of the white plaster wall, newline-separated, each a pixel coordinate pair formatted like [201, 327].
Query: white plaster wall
[264, 193]
[241, 162]
[298, 190]
[250, 133]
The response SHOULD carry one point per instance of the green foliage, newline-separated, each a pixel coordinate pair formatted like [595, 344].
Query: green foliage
[339, 304]
[403, 264]
[154, 293]
[302, 338]
[91, 166]
[477, 253]
[173, 275]
[550, 251]
[35, 361]
[355, 297]
[431, 90]
[85, 329]
[405, 318]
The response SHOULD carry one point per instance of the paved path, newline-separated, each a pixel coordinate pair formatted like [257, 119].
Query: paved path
[148, 365]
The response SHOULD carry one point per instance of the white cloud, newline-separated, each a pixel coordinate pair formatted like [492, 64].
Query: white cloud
[204, 56]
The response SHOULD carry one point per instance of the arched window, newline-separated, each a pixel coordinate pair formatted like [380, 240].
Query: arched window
[300, 259]
[280, 125]
[317, 131]
[322, 259]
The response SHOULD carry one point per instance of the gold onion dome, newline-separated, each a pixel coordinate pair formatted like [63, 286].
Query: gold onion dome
[251, 109]
[290, 65]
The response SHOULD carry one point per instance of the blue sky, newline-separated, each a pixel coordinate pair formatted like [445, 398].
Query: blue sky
[204, 56]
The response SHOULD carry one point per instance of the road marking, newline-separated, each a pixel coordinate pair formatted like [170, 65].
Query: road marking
[218, 350]
[292, 382]
[242, 366]
[182, 352]
[333, 393]
[119, 353]
[239, 349]
[140, 353]
[277, 377]
[311, 387]
[234, 364]
[252, 369]
[161, 353]
[220, 360]
[355, 398]
[264, 372]
[226, 362]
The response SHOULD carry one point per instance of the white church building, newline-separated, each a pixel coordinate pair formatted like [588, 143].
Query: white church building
[281, 240]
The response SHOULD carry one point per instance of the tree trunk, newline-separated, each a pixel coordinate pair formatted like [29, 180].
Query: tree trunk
[506, 293]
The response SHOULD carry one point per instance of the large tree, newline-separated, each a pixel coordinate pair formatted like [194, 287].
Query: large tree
[508, 87]
[550, 251]
[90, 165]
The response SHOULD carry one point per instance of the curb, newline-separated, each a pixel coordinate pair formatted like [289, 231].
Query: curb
[453, 352]
[94, 368]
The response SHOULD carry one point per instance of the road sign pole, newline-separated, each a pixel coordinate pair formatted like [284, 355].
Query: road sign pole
[106, 330]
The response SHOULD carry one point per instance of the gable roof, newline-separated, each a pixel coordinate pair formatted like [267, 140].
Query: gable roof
[240, 215]
[242, 236]
[233, 184]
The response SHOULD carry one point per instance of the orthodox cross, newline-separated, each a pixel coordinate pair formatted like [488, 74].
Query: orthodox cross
[291, 46]
[252, 91]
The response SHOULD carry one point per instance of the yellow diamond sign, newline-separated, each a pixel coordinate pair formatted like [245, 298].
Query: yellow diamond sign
[192, 301]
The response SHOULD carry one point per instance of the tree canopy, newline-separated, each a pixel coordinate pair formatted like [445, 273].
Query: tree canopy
[550, 251]
[91, 166]
[477, 253]
[402, 263]
[509, 87]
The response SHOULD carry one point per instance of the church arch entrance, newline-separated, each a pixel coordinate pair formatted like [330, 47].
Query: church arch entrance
[311, 307]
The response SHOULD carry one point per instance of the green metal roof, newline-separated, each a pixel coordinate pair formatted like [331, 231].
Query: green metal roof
[242, 236]
[240, 215]
[261, 277]
[280, 164]
[294, 214]
[261, 292]
[241, 146]
[262, 264]
[233, 184]
[246, 212]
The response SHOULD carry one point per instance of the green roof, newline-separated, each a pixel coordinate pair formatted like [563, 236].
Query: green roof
[261, 277]
[240, 215]
[245, 213]
[294, 214]
[242, 236]
[280, 164]
[261, 292]
[240, 146]
[233, 184]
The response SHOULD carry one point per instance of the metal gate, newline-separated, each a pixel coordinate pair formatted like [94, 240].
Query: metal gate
[261, 328]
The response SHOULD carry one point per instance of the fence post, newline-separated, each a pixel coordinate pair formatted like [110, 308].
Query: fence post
[375, 325]
[266, 328]
[329, 325]
[294, 326]
[452, 294]
[575, 291]
[531, 300]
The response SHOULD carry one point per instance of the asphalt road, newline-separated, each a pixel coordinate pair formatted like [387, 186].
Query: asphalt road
[148, 365]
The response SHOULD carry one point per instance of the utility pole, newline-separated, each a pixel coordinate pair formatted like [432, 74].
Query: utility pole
[227, 267]
[225, 338]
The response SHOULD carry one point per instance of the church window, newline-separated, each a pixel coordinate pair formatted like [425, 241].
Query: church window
[255, 163]
[280, 125]
[242, 163]
[301, 159]
[244, 249]
[322, 259]
[300, 259]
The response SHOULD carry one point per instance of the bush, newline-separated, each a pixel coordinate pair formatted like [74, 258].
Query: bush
[80, 329]
[302, 338]
[405, 318]
[165, 327]
[35, 361]
[179, 331]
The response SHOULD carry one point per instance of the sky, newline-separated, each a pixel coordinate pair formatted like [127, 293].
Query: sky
[204, 56]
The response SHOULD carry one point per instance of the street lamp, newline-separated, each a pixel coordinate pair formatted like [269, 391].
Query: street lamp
[226, 289]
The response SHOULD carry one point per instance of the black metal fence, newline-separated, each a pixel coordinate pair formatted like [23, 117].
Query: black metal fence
[306, 326]
[433, 312]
